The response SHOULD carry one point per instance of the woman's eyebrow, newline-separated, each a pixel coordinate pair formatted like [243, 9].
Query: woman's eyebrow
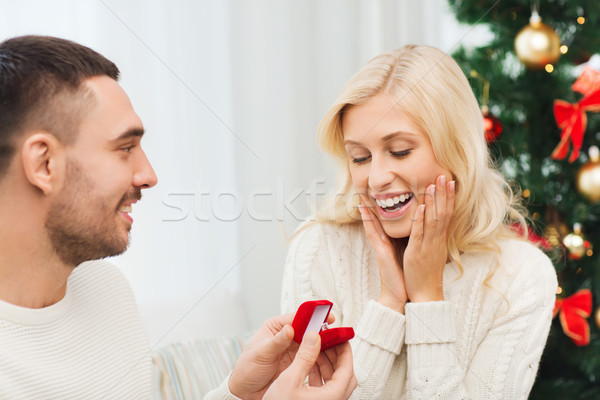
[386, 138]
[393, 135]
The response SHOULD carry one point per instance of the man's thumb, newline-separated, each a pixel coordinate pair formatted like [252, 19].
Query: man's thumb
[280, 342]
[306, 357]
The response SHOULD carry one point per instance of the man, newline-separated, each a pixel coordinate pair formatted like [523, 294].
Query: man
[71, 168]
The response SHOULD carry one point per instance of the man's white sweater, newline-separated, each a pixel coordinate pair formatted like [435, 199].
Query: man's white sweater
[483, 342]
[89, 345]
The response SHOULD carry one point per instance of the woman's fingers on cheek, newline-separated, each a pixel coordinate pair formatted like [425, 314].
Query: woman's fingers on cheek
[367, 222]
[450, 196]
[440, 182]
[441, 204]
[372, 225]
[378, 227]
[431, 218]
[429, 201]
[416, 231]
[441, 198]
[374, 238]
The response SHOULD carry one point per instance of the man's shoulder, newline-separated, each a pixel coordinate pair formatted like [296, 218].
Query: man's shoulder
[99, 288]
[92, 270]
[99, 278]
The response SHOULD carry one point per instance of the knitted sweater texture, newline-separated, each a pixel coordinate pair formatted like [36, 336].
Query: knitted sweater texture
[484, 341]
[89, 345]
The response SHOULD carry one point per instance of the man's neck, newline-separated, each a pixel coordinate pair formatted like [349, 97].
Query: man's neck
[31, 274]
[32, 286]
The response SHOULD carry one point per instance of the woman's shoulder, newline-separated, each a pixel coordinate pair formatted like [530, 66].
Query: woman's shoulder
[517, 253]
[523, 263]
[338, 242]
[324, 250]
[313, 232]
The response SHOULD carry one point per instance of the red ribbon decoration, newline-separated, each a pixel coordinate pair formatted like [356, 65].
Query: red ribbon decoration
[573, 313]
[571, 118]
[588, 82]
[532, 236]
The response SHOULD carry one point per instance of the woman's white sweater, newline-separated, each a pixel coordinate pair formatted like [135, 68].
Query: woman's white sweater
[484, 341]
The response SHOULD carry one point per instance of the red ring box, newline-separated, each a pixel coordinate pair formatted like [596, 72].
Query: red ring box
[312, 316]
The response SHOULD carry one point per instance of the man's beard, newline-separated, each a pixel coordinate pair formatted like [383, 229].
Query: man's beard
[81, 224]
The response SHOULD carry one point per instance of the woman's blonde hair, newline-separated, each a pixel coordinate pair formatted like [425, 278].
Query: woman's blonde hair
[432, 90]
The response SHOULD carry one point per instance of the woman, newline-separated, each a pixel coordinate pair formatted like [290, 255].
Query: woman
[416, 251]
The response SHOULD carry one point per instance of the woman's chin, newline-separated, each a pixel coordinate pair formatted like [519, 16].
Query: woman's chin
[394, 230]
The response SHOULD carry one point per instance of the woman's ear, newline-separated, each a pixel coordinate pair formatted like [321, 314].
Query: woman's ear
[42, 158]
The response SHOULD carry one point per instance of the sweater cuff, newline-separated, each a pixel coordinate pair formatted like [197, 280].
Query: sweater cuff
[222, 392]
[430, 322]
[382, 327]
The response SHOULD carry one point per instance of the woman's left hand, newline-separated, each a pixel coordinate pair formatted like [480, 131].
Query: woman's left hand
[427, 250]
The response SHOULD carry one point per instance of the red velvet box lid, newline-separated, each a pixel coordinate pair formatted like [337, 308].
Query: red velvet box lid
[312, 316]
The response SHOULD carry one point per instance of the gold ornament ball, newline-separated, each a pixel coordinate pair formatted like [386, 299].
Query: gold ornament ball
[537, 44]
[554, 234]
[575, 242]
[551, 234]
[588, 177]
[597, 316]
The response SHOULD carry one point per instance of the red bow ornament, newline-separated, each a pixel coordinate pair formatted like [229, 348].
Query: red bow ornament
[588, 81]
[573, 313]
[571, 118]
[532, 236]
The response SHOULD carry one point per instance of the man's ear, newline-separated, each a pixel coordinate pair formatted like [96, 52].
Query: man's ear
[42, 157]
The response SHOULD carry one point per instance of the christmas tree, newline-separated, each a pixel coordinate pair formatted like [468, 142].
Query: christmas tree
[538, 51]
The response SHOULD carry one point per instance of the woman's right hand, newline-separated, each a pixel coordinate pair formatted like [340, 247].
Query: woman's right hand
[393, 290]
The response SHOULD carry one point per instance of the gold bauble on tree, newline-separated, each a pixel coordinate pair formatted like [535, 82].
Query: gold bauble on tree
[588, 177]
[537, 44]
[554, 233]
[552, 236]
[576, 243]
[597, 316]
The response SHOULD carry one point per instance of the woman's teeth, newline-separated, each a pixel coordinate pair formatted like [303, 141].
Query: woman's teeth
[393, 201]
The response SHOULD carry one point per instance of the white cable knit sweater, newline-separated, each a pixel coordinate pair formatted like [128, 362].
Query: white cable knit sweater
[482, 342]
[90, 345]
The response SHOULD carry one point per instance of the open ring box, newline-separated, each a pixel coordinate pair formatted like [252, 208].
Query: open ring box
[312, 316]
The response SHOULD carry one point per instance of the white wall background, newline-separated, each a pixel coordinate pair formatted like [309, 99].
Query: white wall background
[231, 93]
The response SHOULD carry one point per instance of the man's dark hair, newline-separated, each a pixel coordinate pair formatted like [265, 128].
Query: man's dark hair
[41, 88]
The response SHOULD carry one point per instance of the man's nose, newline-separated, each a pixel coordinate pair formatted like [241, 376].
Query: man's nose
[144, 177]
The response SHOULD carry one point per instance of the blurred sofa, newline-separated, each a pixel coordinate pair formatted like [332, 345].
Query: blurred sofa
[195, 342]
[188, 370]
